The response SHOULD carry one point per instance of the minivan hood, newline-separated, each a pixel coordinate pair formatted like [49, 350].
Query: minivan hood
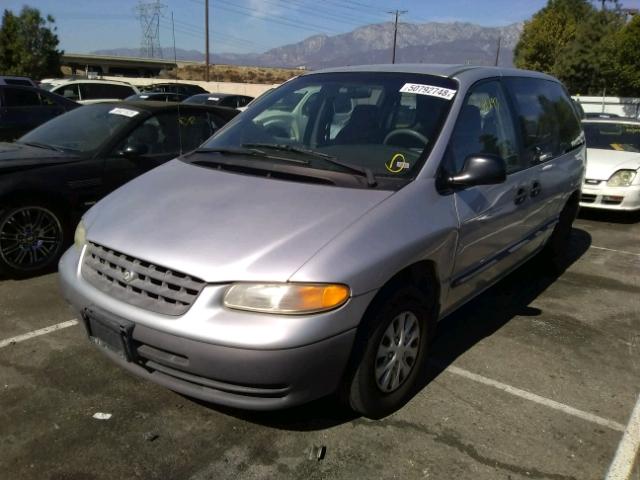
[601, 163]
[222, 226]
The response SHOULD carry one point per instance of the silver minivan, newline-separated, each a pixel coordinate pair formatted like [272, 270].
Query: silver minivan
[312, 245]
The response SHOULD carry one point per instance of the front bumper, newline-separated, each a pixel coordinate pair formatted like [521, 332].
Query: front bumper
[238, 359]
[611, 198]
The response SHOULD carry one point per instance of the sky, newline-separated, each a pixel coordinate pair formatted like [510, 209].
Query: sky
[243, 26]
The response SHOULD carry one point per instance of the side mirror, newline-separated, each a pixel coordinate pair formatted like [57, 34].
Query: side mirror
[480, 170]
[134, 151]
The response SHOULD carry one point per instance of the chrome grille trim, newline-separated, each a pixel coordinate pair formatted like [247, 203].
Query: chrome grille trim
[150, 286]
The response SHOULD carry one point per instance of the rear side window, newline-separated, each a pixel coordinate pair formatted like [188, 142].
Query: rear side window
[17, 97]
[69, 92]
[91, 91]
[547, 119]
[231, 102]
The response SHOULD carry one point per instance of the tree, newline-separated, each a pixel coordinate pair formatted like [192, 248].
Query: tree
[548, 33]
[587, 65]
[29, 44]
[628, 58]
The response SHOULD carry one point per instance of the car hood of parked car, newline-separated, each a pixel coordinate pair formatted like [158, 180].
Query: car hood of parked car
[601, 164]
[15, 156]
[221, 226]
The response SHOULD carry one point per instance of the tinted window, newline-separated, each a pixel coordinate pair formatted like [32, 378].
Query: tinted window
[18, 97]
[68, 91]
[484, 126]
[17, 81]
[243, 101]
[613, 136]
[91, 91]
[160, 132]
[546, 117]
[83, 129]
[231, 102]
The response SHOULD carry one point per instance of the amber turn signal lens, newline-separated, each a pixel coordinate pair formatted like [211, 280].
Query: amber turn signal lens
[286, 298]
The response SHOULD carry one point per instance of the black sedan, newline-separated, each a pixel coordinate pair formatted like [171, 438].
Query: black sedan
[174, 87]
[22, 108]
[50, 176]
[158, 97]
[230, 100]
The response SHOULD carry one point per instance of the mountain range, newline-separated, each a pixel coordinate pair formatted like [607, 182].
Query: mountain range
[431, 42]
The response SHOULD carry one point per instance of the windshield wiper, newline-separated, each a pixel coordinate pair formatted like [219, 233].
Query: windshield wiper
[230, 151]
[364, 171]
[247, 150]
[42, 145]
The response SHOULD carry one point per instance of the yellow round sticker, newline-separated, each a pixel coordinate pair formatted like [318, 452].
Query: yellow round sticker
[397, 163]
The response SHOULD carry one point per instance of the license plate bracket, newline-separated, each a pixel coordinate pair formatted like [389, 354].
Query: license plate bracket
[110, 332]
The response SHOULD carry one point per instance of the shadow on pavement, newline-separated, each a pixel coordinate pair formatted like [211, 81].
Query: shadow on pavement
[610, 216]
[456, 334]
[490, 311]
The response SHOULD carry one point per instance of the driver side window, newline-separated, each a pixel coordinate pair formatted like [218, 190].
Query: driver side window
[484, 126]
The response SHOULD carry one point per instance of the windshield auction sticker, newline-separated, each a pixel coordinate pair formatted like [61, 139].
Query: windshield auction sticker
[429, 90]
[397, 163]
[123, 111]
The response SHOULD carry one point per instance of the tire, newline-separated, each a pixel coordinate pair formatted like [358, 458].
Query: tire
[555, 251]
[372, 390]
[32, 238]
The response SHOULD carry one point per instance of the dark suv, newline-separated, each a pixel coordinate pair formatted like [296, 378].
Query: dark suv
[23, 108]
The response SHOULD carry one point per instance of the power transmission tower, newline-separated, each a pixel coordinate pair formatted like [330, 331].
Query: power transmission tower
[397, 13]
[149, 13]
[498, 51]
[206, 41]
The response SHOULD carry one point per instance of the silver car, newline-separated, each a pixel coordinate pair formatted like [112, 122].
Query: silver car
[312, 245]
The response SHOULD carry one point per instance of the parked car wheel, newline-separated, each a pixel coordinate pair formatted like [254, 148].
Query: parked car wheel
[392, 354]
[32, 237]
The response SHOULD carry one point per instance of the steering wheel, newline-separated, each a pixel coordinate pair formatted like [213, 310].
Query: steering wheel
[408, 132]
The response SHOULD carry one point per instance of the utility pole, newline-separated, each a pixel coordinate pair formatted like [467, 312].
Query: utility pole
[397, 13]
[206, 36]
[498, 51]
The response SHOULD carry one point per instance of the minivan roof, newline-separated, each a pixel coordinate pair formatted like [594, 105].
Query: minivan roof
[439, 70]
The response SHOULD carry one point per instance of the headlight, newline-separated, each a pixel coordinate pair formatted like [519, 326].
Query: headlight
[80, 237]
[622, 178]
[286, 298]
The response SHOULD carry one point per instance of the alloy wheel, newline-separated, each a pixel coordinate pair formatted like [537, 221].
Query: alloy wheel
[29, 238]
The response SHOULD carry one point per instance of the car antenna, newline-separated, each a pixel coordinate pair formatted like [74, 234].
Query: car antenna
[175, 61]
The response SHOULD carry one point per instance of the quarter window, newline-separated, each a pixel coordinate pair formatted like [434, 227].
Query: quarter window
[484, 126]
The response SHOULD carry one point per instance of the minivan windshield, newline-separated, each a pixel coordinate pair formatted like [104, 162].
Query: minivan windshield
[82, 130]
[381, 123]
[624, 137]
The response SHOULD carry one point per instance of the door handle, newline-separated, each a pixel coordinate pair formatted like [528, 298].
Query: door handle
[536, 188]
[521, 196]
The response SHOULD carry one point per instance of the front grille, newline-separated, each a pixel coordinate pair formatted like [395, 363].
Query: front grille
[139, 283]
[587, 198]
[590, 181]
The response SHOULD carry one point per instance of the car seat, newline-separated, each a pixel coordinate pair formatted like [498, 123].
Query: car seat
[361, 128]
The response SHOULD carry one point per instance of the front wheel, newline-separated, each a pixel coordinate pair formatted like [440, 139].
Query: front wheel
[393, 352]
[31, 239]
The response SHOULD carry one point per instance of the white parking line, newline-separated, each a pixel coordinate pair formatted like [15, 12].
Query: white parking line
[622, 466]
[37, 333]
[617, 251]
[532, 397]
